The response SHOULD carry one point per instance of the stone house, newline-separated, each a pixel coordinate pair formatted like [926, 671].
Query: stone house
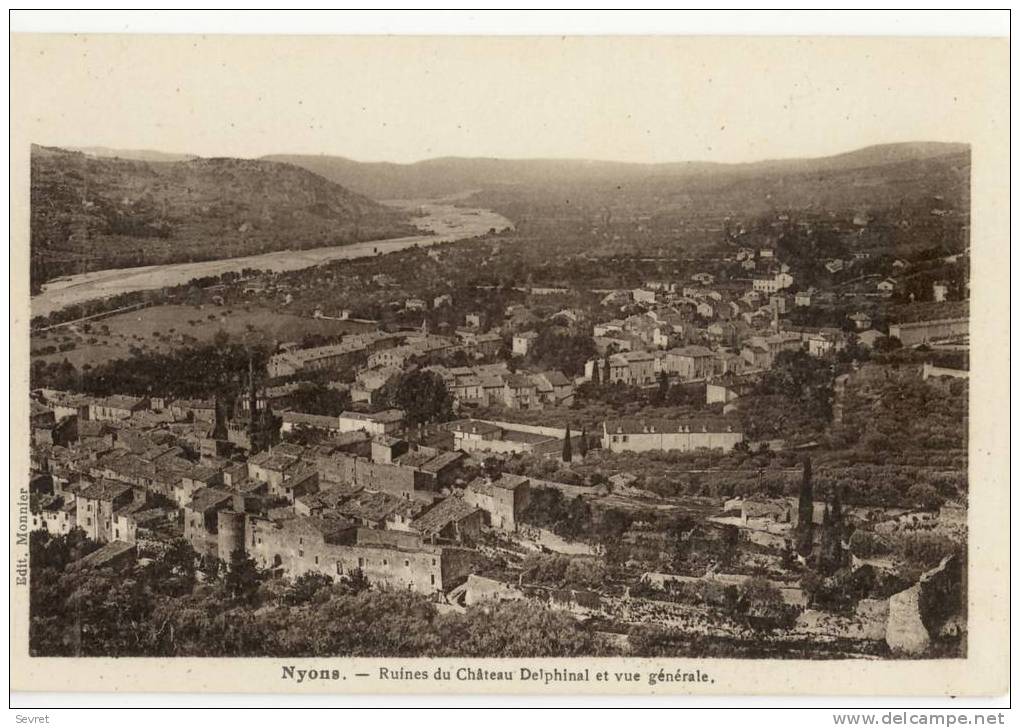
[503, 499]
[96, 507]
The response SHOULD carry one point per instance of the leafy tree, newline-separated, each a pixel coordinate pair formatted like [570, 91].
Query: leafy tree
[578, 520]
[201, 371]
[173, 571]
[803, 378]
[867, 544]
[925, 496]
[242, 577]
[885, 344]
[545, 508]
[662, 391]
[356, 581]
[759, 591]
[56, 552]
[421, 395]
[924, 549]
[492, 467]
[306, 587]
[613, 524]
[562, 351]
[318, 399]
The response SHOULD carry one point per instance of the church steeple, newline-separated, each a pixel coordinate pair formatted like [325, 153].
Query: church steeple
[253, 400]
[219, 428]
[263, 425]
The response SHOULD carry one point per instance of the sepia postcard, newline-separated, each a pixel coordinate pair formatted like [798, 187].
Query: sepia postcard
[549, 365]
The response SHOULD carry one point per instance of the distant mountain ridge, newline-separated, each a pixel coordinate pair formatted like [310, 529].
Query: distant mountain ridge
[449, 175]
[442, 176]
[138, 155]
[91, 213]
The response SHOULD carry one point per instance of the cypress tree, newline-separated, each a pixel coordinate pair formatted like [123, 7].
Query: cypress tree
[567, 452]
[826, 563]
[596, 375]
[837, 508]
[839, 530]
[606, 372]
[582, 447]
[663, 390]
[805, 512]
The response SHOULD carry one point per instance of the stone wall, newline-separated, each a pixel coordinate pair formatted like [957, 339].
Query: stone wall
[388, 478]
[293, 553]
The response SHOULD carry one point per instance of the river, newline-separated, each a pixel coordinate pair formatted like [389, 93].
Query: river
[442, 223]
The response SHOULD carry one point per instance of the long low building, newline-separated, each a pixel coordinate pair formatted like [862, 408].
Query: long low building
[643, 435]
[916, 333]
[506, 438]
[377, 423]
[352, 349]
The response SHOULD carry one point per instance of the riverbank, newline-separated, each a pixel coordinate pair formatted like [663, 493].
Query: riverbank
[440, 223]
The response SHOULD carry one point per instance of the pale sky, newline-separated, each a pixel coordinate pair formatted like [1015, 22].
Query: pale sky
[406, 99]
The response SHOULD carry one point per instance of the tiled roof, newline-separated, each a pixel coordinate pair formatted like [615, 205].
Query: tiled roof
[105, 490]
[489, 487]
[442, 460]
[375, 506]
[326, 527]
[119, 401]
[692, 351]
[385, 416]
[327, 499]
[208, 498]
[447, 511]
[556, 378]
[103, 555]
[301, 418]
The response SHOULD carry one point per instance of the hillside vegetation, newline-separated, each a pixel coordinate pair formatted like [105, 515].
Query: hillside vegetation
[92, 213]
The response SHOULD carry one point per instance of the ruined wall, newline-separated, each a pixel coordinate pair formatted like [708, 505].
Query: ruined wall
[201, 532]
[295, 554]
[386, 477]
[457, 564]
[338, 468]
[230, 534]
[480, 589]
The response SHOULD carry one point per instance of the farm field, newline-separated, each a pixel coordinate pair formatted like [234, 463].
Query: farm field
[162, 328]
